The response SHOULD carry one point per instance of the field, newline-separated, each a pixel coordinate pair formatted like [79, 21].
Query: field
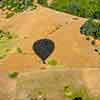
[78, 53]
[41, 42]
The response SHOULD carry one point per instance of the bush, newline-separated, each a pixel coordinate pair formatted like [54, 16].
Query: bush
[96, 50]
[93, 42]
[43, 2]
[91, 28]
[52, 62]
[19, 50]
[13, 75]
[82, 8]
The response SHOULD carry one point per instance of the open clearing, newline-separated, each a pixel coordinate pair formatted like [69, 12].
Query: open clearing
[72, 49]
[74, 64]
[50, 83]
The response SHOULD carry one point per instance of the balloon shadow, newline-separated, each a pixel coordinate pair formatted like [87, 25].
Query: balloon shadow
[43, 48]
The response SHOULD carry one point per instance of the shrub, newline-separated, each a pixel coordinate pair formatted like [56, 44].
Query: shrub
[43, 2]
[91, 28]
[93, 42]
[96, 50]
[52, 62]
[83, 8]
[19, 50]
[87, 38]
[13, 75]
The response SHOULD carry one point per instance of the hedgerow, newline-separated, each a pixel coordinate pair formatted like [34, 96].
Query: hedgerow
[82, 8]
[43, 2]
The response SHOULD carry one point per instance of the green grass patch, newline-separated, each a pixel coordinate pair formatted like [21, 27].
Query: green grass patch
[7, 42]
[5, 35]
[52, 62]
[71, 93]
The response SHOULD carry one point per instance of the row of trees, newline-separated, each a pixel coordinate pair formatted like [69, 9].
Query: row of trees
[82, 8]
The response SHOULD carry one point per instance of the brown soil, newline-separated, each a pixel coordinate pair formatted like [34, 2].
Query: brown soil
[72, 49]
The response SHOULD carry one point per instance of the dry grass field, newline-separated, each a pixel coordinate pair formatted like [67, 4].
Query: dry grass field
[75, 60]
[71, 48]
